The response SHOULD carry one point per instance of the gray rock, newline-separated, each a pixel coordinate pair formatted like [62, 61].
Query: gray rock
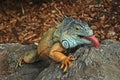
[9, 54]
[90, 64]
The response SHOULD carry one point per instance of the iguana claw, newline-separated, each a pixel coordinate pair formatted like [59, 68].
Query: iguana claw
[19, 62]
[67, 63]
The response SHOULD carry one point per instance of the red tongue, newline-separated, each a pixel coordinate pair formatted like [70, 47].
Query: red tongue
[94, 40]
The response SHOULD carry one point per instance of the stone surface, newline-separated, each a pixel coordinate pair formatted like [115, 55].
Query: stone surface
[9, 54]
[90, 64]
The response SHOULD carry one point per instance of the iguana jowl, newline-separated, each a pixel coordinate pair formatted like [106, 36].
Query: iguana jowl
[68, 34]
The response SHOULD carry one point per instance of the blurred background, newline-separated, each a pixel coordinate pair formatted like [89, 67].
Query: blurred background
[24, 21]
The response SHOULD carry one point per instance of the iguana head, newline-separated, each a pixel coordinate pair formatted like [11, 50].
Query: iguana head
[78, 31]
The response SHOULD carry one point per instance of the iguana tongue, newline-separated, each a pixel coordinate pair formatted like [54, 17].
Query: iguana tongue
[93, 39]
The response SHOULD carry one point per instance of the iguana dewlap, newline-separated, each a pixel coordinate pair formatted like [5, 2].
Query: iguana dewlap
[70, 33]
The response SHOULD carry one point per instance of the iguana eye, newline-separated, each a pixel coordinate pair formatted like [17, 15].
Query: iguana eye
[77, 28]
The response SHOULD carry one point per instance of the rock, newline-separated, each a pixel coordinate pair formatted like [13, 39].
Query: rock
[9, 54]
[90, 64]
[4, 65]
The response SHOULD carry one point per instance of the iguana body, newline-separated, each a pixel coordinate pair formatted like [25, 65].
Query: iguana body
[70, 33]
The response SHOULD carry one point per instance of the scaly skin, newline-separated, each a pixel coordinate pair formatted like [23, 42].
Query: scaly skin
[56, 40]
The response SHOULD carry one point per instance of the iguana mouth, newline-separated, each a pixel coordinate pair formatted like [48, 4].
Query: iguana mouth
[93, 39]
[81, 36]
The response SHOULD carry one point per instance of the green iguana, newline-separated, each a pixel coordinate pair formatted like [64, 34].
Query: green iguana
[68, 34]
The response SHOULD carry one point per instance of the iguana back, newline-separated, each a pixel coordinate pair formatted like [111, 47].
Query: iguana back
[46, 43]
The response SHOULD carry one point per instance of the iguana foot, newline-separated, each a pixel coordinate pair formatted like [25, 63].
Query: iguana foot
[29, 57]
[19, 62]
[67, 63]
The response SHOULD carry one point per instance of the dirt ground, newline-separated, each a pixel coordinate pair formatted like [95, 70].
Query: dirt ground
[25, 21]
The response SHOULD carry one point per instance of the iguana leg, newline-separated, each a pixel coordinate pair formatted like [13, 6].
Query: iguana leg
[28, 57]
[57, 55]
